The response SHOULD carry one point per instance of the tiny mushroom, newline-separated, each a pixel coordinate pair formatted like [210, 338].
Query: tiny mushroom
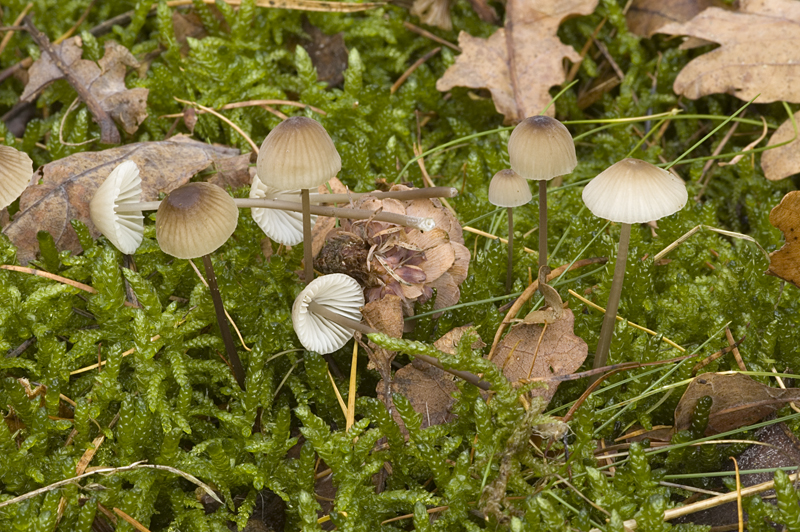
[16, 169]
[509, 189]
[122, 186]
[628, 192]
[541, 148]
[284, 227]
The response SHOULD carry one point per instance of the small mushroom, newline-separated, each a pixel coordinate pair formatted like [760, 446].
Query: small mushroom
[541, 148]
[628, 192]
[193, 221]
[509, 189]
[284, 227]
[16, 169]
[122, 186]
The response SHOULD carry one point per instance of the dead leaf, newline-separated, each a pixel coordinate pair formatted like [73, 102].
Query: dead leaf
[540, 352]
[785, 263]
[328, 54]
[520, 62]
[433, 13]
[645, 17]
[738, 401]
[68, 184]
[187, 25]
[233, 172]
[325, 224]
[784, 161]
[385, 315]
[105, 80]
[449, 342]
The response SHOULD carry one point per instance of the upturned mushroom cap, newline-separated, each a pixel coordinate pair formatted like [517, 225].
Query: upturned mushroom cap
[634, 191]
[541, 148]
[339, 293]
[194, 220]
[297, 154]
[123, 185]
[16, 169]
[283, 227]
[509, 189]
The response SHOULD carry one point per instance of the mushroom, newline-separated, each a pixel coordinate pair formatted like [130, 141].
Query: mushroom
[299, 154]
[541, 148]
[628, 192]
[16, 169]
[122, 186]
[509, 189]
[284, 227]
[193, 221]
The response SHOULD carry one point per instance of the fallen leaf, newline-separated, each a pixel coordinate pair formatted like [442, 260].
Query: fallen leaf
[187, 25]
[520, 62]
[385, 315]
[738, 401]
[645, 17]
[67, 185]
[328, 54]
[449, 342]
[540, 352]
[232, 172]
[785, 263]
[783, 161]
[433, 13]
[105, 80]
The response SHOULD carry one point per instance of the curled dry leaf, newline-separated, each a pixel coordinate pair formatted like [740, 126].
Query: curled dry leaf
[385, 315]
[433, 13]
[785, 263]
[68, 184]
[520, 62]
[645, 17]
[783, 161]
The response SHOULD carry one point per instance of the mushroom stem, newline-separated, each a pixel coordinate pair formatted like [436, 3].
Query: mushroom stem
[542, 223]
[510, 270]
[416, 193]
[316, 308]
[230, 348]
[609, 320]
[308, 258]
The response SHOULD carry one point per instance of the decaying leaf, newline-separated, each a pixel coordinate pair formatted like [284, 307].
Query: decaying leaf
[328, 54]
[105, 80]
[385, 315]
[233, 172]
[540, 352]
[785, 263]
[520, 62]
[449, 342]
[645, 17]
[67, 185]
[738, 401]
[783, 161]
[433, 13]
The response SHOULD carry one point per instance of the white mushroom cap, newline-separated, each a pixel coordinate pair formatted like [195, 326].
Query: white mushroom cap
[281, 226]
[634, 191]
[16, 169]
[509, 189]
[123, 185]
[541, 148]
[297, 154]
[338, 292]
[195, 220]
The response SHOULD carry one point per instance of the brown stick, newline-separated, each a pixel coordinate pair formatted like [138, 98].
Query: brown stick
[418, 63]
[219, 309]
[431, 36]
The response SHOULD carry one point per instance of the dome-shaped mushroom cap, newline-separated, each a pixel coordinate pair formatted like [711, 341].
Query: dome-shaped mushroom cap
[123, 185]
[283, 227]
[509, 189]
[541, 148]
[338, 292]
[297, 154]
[194, 220]
[16, 169]
[634, 191]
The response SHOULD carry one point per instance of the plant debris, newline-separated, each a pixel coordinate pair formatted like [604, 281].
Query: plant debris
[785, 263]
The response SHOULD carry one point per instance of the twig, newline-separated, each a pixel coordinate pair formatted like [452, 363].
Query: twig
[16, 26]
[48, 275]
[427, 178]
[77, 24]
[418, 63]
[224, 119]
[103, 362]
[474, 231]
[133, 522]
[710, 162]
[735, 350]
[431, 36]
[255, 103]
[299, 5]
[660, 255]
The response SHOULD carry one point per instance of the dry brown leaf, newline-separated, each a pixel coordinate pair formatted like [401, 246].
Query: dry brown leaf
[520, 62]
[68, 184]
[449, 342]
[105, 80]
[783, 161]
[385, 315]
[233, 172]
[540, 352]
[645, 17]
[433, 13]
[738, 401]
[328, 54]
[785, 263]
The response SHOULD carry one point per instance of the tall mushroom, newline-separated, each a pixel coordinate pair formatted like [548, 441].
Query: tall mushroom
[509, 189]
[193, 221]
[299, 154]
[541, 148]
[628, 192]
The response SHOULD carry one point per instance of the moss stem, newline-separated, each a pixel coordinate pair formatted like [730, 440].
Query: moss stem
[510, 271]
[230, 348]
[307, 255]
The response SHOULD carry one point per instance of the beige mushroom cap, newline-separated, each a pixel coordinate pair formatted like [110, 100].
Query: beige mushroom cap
[509, 189]
[634, 191]
[123, 185]
[297, 154]
[283, 227]
[16, 169]
[195, 219]
[541, 148]
[339, 293]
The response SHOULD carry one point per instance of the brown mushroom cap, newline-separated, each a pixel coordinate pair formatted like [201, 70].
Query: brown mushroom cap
[509, 189]
[297, 154]
[16, 169]
[541, 148]
[194, 220]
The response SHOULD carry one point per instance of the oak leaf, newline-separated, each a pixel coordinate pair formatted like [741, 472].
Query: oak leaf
[785, 263]
[520, 62]
[782, 161]
[645, 17]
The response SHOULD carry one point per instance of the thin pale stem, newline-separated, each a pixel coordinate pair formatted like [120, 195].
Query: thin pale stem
[416, 193]
[308, 258]
[610, 318]
[230, 348]
[542, 223]
[510, 270]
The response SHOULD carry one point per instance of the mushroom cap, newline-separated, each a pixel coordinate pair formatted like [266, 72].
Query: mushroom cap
[16, 169]
[281, 226]
[339, 293]
[297, 154]
[634, 191]
[509, 189]
[195, 219]
[541, 148]
[123, 185]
